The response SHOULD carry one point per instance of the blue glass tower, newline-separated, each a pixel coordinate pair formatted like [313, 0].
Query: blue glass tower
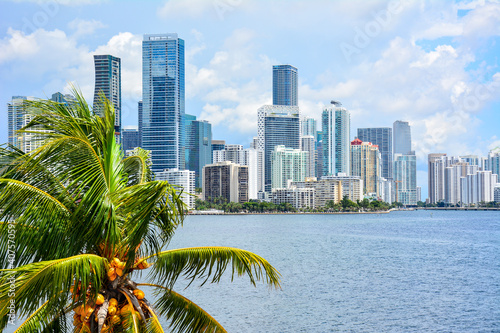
[163, 100]
[381, 136]
[285, 85]
[198, 146]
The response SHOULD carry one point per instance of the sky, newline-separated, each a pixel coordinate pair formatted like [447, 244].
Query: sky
[432, 63]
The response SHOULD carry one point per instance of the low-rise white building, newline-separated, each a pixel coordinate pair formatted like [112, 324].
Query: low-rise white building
[297, 197]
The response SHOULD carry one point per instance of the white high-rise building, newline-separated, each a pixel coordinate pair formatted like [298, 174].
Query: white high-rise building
[250, 157]
[184, 180]
[287, 165]
[336, 126]
[405, 177]
[308, 144]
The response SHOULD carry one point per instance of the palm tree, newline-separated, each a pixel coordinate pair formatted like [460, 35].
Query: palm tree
[79, 222]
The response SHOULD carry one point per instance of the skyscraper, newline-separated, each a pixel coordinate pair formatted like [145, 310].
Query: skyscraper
[365, 163]
[225, 180]
[108, 82]
[402, 137]
[405, 177]
[308, 127]
[277, 125]
[198, 146]
[336, 123]
[382, 137]
[163, 100]
[130, 138]
[17, 119]
[285, 85]
[436, 177]
[287, 164]
[308, 144]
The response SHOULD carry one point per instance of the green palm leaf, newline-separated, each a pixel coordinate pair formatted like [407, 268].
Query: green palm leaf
[44, 319]
[210, 263]
[185, 316]
[49, 280]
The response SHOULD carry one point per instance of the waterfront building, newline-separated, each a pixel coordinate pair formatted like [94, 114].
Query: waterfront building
[298, 197]
[285, 85]
[402, 138]
[325, 190]
[308, 144]
[405, 177]
[163, 100]
[183, 180]
[130, 138]
[365, 163]
[386, 190]
[319, 154]
[419, 193]
[198, 149]
[18, 118]
[225, 180]
[276, 125]
[496, 192]
[108, 83]
[287, 165]
[435, 177]
[250, 157]
[382, 137]
[352, 186]
[336, 139]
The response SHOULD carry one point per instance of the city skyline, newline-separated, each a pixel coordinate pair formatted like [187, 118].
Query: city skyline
[446, 54]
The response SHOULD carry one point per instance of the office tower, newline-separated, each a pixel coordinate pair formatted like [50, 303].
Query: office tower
[382, 137]
[225, 180]
[308, 127]
[139, 121]
[276, 125]
[183, 181]
[285, 85]
[402, 138]
[405, 177]
[163, 100]
[365, 163]
[435, 177]
[198, 146]
[108, 82]
[287, 165]
[250, 157]
[308, 144]
[130, 138]
[336, 134]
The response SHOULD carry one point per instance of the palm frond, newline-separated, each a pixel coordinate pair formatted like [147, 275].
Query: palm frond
[137, 167]
[44, 319]
[184, 315]
[50, 280]
[210, 263]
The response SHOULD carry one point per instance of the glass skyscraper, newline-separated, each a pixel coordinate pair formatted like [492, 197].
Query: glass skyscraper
[285, 85]
[382, 137]
[108, 82]
[163, 100]
[336, 123]
[198, 146]
[402, 137]
[277, 125]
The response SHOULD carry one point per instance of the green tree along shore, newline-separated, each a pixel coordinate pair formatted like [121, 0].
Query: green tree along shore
[78, 223]
[345, 205]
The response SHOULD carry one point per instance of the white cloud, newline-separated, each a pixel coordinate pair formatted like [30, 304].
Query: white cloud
[84, 27]
[185, 8]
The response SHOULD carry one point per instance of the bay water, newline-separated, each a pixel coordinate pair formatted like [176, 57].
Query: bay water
[406, 271]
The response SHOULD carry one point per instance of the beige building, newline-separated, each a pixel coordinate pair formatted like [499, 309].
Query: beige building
[325, 190]
[297, 197]
[227, 180]
[365, 163]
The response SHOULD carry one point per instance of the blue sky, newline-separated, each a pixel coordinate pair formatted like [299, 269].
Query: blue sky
[432, 63]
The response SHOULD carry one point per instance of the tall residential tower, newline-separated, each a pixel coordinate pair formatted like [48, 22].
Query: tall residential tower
[163, 100]
[336, 122]
[285, 85]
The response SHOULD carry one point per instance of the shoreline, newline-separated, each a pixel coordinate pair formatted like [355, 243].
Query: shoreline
[291, 213]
